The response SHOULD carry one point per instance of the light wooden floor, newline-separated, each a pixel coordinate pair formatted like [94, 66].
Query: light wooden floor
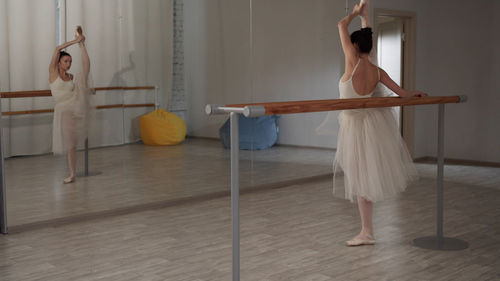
[137, 175]
[293, 232]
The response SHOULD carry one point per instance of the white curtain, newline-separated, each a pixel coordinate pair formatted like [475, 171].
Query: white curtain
[129, 43]
[27, 36]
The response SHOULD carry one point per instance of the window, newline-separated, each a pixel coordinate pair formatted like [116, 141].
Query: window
[60, 17]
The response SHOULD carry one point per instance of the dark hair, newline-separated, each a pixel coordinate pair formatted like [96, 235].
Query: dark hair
[363, 38]
[62, 54]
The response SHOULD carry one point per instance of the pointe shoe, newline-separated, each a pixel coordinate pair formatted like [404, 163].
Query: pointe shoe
[358, 241]
[69, 179]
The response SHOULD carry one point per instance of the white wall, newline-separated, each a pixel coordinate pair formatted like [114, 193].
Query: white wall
[293, 56]
[216, 59]
[454, 59]
[297, 55]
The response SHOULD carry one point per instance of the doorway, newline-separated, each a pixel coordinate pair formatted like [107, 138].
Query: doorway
[395, 49]
[390, 51]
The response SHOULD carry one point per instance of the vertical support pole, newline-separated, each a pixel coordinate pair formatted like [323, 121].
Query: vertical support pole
[86, 172]
[439, 242]
[123, 115]
[440, 175]
[86, 157]
[3, 200]
[156, 98]
[235, 194]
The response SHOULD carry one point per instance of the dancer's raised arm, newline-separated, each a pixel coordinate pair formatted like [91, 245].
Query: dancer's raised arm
[347, 46]
[365, 14]
[53, 69]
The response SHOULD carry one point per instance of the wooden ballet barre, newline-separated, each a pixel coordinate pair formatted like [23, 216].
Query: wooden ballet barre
[271, 108]
[47, 93]
[21, 112]
[437, 242]
[125, 105]
[26, 94]
[125, 88]
[39, 111]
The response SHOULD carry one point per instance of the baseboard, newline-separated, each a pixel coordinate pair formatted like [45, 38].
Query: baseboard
[201, 137]
[278, 144]
[306, 147]
[451, 161]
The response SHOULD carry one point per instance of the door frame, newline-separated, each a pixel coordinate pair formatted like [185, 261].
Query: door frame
[408, 69]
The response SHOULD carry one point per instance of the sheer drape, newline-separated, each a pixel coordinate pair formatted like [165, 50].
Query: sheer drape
[27, 36]
[130, 44]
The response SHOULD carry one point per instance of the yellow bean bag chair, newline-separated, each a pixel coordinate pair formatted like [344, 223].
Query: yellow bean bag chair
[162, 128]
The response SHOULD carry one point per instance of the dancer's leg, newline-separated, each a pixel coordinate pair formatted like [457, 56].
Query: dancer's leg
[71, 165]
[365, 236]
[69, 140]
[365, 211]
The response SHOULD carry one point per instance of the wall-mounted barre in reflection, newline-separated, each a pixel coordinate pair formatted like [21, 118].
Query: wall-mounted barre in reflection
[290, 107]
[47, 93]
[38, 111]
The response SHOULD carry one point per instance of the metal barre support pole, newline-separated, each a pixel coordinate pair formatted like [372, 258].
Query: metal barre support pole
[86, 172]
[440, 175]
[3, 193]
[157, 105]
[439, 242]
[235, 188]
[235, 193]
[87, 157]
[247, 111]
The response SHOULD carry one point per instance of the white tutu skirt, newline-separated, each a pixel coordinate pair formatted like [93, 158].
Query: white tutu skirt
[71, 118]
[372, 155]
